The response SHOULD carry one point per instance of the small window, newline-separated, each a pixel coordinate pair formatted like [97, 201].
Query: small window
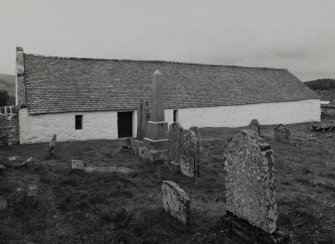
[79, 122]
[175, 115]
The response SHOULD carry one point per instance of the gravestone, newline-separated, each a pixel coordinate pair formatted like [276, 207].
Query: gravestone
[31, 196]
[175, 132]
[141, 120]
[189, 154]
[282, 134]
[155, 142]
[255, 126]
[175, 201]
[3, 203]
[196, 131]
[77, 164]
[52, 145]
[249, 186]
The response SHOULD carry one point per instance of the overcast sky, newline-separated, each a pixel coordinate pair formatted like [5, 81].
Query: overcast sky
[295, 34]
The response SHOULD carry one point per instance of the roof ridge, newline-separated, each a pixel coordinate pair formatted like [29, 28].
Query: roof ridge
[153, 61]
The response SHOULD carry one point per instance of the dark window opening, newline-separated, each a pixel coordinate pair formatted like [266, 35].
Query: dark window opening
[125, 124]
[79, 122]
[175, 115]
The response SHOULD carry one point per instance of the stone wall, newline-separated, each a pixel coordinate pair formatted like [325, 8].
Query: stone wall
[9, 126]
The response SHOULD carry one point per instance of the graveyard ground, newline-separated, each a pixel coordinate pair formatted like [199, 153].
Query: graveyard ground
[77, 207]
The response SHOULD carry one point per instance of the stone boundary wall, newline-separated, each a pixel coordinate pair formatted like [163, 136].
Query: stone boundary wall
[9, 126]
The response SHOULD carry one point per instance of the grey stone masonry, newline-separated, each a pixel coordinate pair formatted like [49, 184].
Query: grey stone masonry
[249, 185]
[175, 201]
[21, 90]
[9, 126]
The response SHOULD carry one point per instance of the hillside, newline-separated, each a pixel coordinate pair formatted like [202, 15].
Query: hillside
[321, 84]
[7, 83]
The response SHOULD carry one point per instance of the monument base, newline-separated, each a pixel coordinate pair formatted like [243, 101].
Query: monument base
[251, 233]
[157, 130]
[152, 155]
[156, 144]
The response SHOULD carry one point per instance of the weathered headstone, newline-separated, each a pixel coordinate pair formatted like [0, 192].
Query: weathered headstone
[282, 134]
[175, 132]
[156, 139]
[52, 145]
[141, 120]
[175, 201]
[3, 203]
[255, 126]
[77, 164]
[189, 154]
[196, 131]
[249, 185]
[31, 197]
[2, 168]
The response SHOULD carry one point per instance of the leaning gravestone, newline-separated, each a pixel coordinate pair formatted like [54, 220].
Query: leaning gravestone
[190, 154]
[52, 145]
[249, 186]
[282, 134]
[255, 126]
[175, 132]
[175, 201]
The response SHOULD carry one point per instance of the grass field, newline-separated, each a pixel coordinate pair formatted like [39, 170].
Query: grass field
[76, 207]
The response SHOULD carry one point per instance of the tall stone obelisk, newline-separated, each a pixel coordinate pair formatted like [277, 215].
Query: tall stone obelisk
[157, 129]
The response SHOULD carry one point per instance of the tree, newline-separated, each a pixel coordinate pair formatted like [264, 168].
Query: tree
[3, 98]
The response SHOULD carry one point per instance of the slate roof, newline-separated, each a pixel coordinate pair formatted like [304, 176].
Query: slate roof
[56, 84]
[327, 95]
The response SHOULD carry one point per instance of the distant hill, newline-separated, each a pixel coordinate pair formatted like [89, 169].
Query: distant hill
[321, 84]
[7, 83]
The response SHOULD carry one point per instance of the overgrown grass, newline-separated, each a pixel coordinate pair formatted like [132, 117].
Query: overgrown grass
[76, 207]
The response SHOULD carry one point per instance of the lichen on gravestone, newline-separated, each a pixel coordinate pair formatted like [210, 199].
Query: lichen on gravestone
[52, 145]
[174, 144]
[249, 185]
[141, 120]
[255, 126]
[77, 164]
[175, 201]
[282, 134]
[190, 154]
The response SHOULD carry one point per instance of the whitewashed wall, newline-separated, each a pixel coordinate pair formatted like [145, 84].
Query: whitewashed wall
[103, 125]
[40, 128]
[241, 115]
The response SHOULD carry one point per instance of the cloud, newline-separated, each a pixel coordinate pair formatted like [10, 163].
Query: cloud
[297, 35]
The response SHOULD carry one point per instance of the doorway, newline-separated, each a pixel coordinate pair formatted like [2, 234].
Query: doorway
[125, 124]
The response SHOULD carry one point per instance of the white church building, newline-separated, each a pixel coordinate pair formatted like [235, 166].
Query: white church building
[86, 99]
